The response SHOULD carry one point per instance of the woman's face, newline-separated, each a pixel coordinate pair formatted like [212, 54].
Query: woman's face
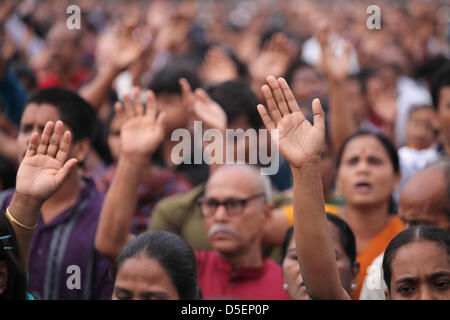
[114, 136]
[293, 277]
[420, 271]
[143, 278]
[366, 174]
[347, 272]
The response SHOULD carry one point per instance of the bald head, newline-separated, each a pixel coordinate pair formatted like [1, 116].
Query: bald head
[425, 199]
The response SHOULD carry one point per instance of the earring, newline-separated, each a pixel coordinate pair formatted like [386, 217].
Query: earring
[353, 286]
[285, 286]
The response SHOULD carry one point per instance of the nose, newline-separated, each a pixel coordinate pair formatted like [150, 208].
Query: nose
[221, 213]
[426, 293]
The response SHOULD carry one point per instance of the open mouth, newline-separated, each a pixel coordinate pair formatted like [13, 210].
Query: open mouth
[363, 187]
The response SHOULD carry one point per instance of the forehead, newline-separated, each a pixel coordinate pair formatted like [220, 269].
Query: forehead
[422, 113]
[143, 273]
[365, 145]
[419, 259]
[39, 114]
[228, 182]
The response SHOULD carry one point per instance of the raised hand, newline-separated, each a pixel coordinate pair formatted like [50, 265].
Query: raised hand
[202, 107]
[336, 67]
[143, 130]
[44, 167]
[298, 140]
[274, 59]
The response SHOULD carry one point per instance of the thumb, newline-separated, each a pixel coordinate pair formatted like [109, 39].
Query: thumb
[62, 173]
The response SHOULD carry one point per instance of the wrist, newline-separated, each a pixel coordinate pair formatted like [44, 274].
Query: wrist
[310, 166]
[22, 202]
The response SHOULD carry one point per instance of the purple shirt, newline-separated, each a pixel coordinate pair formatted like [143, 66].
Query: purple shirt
[63, 262]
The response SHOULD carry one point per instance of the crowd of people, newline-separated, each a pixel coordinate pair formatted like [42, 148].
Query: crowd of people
[98, 200]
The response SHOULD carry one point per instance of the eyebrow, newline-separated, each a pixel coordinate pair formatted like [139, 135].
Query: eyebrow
[430, 277]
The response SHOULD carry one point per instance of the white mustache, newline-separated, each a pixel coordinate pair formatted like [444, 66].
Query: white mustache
[221, 228]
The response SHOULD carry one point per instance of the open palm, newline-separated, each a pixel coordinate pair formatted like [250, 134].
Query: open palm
[44, 167]
[298, 140]
[143, 130]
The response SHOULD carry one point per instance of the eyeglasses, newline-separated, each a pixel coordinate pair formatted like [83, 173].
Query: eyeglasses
[234, 207]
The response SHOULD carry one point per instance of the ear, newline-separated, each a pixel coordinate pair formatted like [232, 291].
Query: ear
[80, 149]
[267, 210]
[387, 295]
[3, 277]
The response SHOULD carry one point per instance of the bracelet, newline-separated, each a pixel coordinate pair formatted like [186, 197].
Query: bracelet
[10, 217]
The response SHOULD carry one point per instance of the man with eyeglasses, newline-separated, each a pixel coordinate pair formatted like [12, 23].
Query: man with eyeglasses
[235, 208]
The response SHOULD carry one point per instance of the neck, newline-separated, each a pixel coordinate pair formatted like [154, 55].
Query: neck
[366, 221]
[64, 198]
[251, 257]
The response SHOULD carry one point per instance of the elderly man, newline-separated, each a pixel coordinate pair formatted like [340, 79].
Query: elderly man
[235, 208]
[424, 200]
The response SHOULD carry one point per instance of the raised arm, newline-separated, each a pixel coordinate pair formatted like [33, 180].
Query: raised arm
[41, 173]
[140, 136]
[301, 144]
[336, 68]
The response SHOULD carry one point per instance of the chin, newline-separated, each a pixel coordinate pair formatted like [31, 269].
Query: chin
[224, 247]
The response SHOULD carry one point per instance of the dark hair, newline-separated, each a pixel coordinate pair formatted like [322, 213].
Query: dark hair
[74, 111]
[17, 282]
[237, 99]
[173, 254]
[167, 79]
[346, 238]
[418, 233]
[7, 174]
[440, 79]
[386, 143]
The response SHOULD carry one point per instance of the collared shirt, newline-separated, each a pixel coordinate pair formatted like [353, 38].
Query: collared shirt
[217, 279]
[63, 262]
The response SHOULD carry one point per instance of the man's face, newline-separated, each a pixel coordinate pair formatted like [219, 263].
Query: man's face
[62, 47]
[241, 233]
[34, 119]
[444, 113]
[422, 200]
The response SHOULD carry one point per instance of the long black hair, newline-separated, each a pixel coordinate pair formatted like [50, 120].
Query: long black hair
[418, 233]
[16, 288]
[173, 254]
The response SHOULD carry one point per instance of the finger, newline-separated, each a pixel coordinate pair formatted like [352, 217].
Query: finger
[55, 138]
[271, 104]
[32, 145]
[128, 105]
[138, 105]
[278, 94]
[265, 117]
[289, 96]
[319, 116]
[62, 173]
[187, 94]
[152, 108]
[64, 147]
[160, 120]
[118, 108]
[45, 137]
